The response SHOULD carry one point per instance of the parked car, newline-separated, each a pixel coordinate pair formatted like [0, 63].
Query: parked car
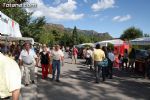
[141, 54]
[141, 62]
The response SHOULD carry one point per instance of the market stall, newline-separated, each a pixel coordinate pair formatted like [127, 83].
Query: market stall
[119, 47]
[141, 62]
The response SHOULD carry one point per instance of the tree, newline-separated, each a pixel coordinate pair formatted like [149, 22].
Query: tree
[36, 28]
[146, 35]
[46, 38]
[131, 33]
[75, 36]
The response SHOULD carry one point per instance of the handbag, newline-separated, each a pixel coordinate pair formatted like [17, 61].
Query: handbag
[104, 63]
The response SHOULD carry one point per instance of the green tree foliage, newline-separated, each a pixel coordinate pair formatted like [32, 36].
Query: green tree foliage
[36, 28]
[46, 38]
[131, 33]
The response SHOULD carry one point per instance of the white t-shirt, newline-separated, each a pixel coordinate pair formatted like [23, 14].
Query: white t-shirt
[10, 76]
[28, 58]
[56, 55]
[89, 53]
[111, 56]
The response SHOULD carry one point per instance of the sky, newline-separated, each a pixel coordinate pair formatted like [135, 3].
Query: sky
[112, 16]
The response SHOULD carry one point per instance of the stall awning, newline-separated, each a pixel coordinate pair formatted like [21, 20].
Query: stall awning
[7, 38]
[140, 41]
[85, 44]
[116, 42]
[8, 26]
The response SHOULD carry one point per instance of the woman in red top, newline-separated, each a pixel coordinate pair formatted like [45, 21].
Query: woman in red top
[74, 54]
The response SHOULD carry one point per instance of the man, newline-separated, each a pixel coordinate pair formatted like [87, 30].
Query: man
[98, 56]
[58, 57]
[10, 78]
[74, 54]
[28, 59]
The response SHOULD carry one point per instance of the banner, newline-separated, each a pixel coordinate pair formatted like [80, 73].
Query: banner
[8, 26]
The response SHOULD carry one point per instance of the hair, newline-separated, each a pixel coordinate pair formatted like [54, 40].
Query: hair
[133, 50]
[26, 43]
[104, 48]
[87, 48]
[98, 46]
[126, 51]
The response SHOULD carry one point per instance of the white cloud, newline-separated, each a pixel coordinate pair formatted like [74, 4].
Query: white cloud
[63, 11]
[122, 18]
[103, 4]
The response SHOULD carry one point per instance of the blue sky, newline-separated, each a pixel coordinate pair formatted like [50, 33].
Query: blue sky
[113, 16]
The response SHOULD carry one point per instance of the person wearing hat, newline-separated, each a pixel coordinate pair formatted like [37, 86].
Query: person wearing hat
[28, 59]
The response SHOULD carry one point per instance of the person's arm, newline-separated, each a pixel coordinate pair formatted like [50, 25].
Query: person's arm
[36, 59]
[62, 58]
[20, 60]
[15, 94]
[49, 57]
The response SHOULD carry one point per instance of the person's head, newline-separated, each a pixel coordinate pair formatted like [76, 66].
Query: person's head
[125, 51]
[27, 45]
[44, 47]
[133, 50]
[74, 46]
[87, 48]
[57, 47]
[104, 48]
[108, 49]
[98, 46]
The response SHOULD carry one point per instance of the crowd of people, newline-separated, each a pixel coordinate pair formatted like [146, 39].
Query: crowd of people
[15, 71]
[26, 57]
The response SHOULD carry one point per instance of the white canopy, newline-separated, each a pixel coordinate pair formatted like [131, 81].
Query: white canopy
[31, 40]
[8, 26]
[115, 42]
[141, 41]
[84, 44]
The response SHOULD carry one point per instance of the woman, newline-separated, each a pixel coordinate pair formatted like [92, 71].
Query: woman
[45, 59]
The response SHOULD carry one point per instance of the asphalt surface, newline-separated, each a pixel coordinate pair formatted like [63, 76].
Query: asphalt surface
[78, 83]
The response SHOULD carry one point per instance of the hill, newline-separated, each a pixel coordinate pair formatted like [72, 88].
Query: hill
[61, 29]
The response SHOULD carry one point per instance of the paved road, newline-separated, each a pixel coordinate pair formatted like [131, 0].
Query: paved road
[77, 83]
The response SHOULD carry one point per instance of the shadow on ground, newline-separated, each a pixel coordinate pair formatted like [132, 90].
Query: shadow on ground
[79, 85]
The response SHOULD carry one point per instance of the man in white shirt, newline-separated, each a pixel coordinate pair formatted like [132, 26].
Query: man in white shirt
[111, 58]
[57, 58]
[10, 78]
[28, 59]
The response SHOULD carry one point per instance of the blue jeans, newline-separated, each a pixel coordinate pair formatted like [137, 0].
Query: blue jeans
[56, 65]
[97, 70]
